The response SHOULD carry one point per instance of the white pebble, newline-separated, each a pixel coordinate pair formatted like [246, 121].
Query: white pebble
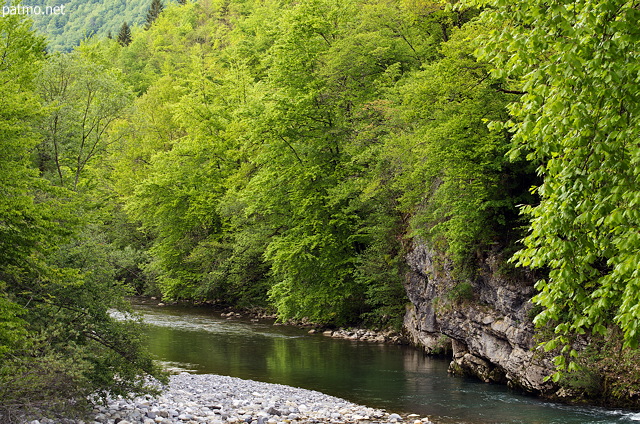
[215, 399]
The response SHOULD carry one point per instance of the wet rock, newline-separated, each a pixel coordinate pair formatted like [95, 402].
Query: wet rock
[386, 336]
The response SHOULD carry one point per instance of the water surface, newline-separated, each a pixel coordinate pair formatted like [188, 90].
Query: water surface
[397, 378]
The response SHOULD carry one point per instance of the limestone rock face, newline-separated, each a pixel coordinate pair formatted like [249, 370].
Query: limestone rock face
[485, 324]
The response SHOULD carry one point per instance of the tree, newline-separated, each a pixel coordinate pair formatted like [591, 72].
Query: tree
[124, 35]
[84, 99]
[154, 11]
[296, 140]
[268, 152]
[456, 183]
[188, 142]
[578, 120]
[184, 142]
[60, 343]
[318, 143]
[23, 224]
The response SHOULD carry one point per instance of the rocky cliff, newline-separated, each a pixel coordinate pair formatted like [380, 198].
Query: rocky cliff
[485, 323]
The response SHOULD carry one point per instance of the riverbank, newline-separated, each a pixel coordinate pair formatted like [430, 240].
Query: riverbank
[215, 399]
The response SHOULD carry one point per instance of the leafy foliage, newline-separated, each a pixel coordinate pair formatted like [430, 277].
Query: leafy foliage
[59, 342]
[578, 66]
[280, 148]
[457, 185]
[83, 20]
[285, 155]
[85, 99]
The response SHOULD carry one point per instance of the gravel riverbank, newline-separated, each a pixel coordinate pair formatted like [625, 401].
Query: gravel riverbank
[215, 399]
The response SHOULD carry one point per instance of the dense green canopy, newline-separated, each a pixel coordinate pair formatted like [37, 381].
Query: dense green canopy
[278, 155]
[287, 155]
[58, 338]
[578, 121]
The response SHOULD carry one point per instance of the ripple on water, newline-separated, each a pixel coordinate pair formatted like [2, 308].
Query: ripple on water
[178, 367]
[210, 324]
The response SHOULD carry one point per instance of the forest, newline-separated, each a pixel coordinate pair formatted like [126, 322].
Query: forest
[82, 20]
[284, 156]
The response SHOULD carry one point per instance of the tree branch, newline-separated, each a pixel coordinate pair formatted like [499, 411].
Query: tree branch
[504, 90]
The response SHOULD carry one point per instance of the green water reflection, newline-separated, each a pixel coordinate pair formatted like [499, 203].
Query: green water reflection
[397, 378]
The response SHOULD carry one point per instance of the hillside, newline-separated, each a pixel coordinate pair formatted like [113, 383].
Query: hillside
[85, 18]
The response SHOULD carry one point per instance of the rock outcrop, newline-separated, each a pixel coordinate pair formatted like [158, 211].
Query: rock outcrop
[485, 323]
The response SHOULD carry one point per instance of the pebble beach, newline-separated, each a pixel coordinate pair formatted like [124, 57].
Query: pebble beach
[214, 399]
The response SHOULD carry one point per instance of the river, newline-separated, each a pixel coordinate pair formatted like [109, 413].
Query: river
[398, 378]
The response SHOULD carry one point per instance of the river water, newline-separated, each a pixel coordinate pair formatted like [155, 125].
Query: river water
[397, 378]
